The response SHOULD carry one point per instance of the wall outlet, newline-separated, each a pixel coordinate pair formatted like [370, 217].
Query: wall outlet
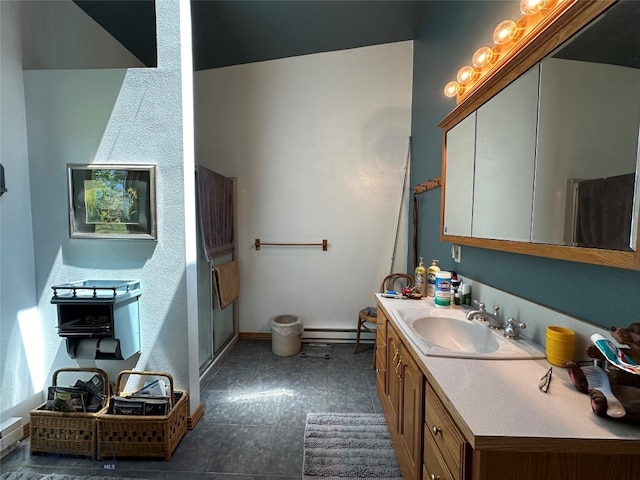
[456, 253]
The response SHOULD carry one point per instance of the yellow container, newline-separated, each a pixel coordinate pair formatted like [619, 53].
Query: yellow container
[560, 345]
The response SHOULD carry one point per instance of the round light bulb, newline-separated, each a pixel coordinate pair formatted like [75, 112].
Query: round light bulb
[505, 32]
[452, 89]
[529, 7]
[482, 57]
[465, 75]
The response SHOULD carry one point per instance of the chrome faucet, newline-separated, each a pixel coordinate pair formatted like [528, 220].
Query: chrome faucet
[512, 330]
[493, 318]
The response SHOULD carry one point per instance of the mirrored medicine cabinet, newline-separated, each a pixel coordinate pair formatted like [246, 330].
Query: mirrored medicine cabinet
[543, 158]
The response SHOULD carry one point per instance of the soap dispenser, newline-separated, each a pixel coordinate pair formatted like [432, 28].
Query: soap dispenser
[420, 274]
[431, 278]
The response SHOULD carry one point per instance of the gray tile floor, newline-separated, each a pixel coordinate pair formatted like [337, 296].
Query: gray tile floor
[255, 409]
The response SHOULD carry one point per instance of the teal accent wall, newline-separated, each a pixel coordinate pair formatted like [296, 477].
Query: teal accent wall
[448, 36]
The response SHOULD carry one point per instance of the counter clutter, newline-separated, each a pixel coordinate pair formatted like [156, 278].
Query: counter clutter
[506, 426]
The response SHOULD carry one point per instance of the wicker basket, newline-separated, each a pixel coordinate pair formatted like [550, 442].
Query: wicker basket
[143, 436]
[66, 433]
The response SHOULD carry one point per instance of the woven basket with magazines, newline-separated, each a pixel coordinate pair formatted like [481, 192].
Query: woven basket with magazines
[66, 423]
[134, 429]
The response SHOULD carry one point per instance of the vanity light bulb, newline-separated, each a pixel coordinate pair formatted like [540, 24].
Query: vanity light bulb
[452, 89]
[482, 57]
[505, 32]
[465, 75]
[529, 7]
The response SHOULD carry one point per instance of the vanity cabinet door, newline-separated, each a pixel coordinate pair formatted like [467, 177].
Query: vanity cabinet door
[381, 354]
[411, 408]
[505, 159]
[392, 397]
[403, 405]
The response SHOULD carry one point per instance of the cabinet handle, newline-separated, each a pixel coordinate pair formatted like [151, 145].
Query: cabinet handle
[395, 357]
[433, 476]
[436, 430]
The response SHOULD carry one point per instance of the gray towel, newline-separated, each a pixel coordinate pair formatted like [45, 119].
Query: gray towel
[605, 210]
[216, 207]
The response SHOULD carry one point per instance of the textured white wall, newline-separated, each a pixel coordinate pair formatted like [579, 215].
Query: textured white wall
[21, 371]
[318, 144]
[115, 116]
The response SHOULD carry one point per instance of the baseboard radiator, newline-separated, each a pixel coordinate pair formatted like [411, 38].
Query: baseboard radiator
[330, 335]
[324, 335]
[11, 432]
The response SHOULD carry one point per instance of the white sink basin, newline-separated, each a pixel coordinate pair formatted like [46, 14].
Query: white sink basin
[447, 333]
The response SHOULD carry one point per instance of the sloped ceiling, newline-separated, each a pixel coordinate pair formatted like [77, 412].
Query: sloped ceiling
[235, 32]
[131, 22]
[231, 32]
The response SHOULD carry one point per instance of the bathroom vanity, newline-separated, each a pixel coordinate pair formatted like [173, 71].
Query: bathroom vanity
[478, 419]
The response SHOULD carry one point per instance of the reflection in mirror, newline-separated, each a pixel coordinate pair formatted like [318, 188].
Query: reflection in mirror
[589, 122]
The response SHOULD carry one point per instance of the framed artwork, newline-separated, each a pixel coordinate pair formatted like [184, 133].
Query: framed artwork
[112, 201]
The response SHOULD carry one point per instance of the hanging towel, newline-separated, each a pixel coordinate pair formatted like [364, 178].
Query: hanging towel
[215, 202]
[605, 210]
[226, 283]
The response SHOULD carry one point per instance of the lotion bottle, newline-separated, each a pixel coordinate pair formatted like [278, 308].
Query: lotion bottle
[431, 278]
[420, 274]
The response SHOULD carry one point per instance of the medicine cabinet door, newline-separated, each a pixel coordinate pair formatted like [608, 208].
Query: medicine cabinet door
[459, 166]
[505, 158]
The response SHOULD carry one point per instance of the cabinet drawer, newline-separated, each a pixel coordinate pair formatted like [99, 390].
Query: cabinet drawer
[433, 467]
[450, 443]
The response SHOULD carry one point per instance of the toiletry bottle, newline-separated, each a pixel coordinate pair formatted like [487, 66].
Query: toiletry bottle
[431, 278]
[442, 297]
[420, 275]
[466, 293]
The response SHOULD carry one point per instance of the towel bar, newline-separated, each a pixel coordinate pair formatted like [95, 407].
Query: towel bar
[323, 244]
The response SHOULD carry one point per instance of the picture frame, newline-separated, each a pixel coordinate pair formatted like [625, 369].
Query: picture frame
[114, 201]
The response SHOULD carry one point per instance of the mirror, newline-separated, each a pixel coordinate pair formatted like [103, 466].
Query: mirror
[589, 118]
[574, 194]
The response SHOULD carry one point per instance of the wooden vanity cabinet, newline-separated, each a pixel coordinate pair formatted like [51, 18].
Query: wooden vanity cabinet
[428, 438]
[403, 404]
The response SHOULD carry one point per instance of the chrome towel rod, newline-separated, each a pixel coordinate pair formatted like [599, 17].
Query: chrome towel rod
[323, 244]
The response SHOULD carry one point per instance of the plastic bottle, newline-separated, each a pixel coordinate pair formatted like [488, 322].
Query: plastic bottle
[431, 278]
[457, 298]
[466, 293]
[420, 275]
[442, 295]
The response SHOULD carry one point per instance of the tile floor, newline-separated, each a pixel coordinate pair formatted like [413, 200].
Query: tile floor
[255, 408]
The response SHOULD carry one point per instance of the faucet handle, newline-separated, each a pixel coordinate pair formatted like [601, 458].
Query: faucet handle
[480, 305]
[512, 330]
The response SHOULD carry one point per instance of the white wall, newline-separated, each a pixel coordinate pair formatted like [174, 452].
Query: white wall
[318, 144]
[21, 369]
[97, 116]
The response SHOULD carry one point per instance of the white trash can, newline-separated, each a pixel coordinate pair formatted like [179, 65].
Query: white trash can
[286, 331]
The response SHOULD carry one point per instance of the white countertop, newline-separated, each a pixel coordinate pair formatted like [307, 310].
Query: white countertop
[500, 398]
